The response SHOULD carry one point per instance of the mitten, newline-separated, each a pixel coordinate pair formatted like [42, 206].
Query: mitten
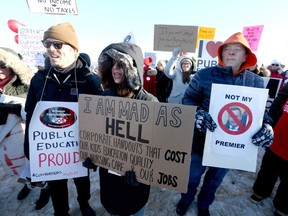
[130, 178]
[89, 165]
[176, 52]
[3, 117]
[203, 121]
[264, 137]
[11, 108]
[279, 70]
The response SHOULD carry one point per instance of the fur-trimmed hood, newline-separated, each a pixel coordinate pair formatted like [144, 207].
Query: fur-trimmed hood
[19, 67]
[131, 55]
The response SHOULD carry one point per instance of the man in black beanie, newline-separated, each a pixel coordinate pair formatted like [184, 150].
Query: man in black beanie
[65, 78]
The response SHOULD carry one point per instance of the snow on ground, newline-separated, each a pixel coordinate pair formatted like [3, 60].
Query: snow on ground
[232, 198]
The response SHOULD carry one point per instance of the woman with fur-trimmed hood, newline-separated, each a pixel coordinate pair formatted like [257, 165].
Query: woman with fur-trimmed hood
[15, 76]
[121, 70]
[19, 74]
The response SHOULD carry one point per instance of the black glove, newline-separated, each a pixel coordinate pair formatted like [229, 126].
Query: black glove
[130, 178]
[264, 137]
[11, 108]
[203, 121]
[89, 165]
[3, 117]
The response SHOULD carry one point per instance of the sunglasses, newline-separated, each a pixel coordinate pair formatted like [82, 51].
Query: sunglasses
[57, 44]
[3, 66]
[275, 65]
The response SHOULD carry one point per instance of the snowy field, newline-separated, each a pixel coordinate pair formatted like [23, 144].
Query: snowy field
[232, 198]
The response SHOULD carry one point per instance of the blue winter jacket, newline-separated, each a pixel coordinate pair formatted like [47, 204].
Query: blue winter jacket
[199, 91]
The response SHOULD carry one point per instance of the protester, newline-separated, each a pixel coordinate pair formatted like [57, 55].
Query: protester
[121, 69]
[275, 160]
[15, 77]
[163, 83]
[149, 77]
[180, 71]
[260, 70]
[234, 57]
[277, 71]
[67, 77]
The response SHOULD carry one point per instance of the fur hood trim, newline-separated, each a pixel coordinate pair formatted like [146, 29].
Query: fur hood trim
[19, 67]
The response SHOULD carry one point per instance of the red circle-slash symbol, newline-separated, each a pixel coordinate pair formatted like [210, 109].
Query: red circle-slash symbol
[242, 128]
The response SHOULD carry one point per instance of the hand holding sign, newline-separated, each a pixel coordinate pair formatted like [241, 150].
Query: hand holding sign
[204, 120]
[264, 137]
[130, 178]
[176, 52]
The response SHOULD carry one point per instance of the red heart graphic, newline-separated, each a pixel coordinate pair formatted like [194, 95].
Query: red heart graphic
[212, 48]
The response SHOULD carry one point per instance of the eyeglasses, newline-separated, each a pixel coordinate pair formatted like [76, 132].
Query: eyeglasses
[57, 44]
[275, 65]
[3, 66]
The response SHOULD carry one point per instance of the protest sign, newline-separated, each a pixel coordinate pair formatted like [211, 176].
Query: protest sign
[168, 37]
[12, 156]
[153, 139]
[205, 33]
[53, 7]
[253, 35]
[53, 142]
[207, 54]
[153, 56]
[32, 49]
[130, 38]
[238, 115]
[273, 85]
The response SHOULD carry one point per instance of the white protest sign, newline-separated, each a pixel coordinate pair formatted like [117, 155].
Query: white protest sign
[153, 56]
[32, 49]
[154, 139]
[207, 54]
[130, 38]
[53, 7]
[53, 142]
[238, 115]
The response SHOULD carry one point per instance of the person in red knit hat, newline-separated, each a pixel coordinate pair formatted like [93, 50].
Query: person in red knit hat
[149, 77]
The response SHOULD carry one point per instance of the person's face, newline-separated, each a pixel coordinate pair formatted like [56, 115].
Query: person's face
[186, 65]
[275, 66]
[117, 73]
[61, 55]
[234, 55]
[4, 71]
[160, 66]
[238, 115]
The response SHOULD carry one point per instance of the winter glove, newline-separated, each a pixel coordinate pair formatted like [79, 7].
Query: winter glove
[11, 108]
[176, 52]
[88, 164]
[130, 178]
[3, 117]
[264, 137]
[203, 121]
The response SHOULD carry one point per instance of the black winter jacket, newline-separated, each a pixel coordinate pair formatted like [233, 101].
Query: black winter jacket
[50, 85]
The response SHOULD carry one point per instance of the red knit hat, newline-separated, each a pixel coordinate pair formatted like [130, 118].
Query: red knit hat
[148, 61]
